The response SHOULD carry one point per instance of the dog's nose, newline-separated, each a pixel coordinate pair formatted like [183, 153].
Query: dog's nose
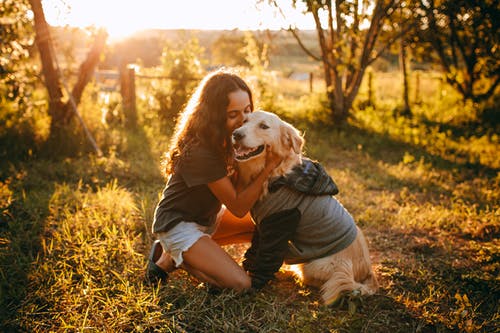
[237, 136]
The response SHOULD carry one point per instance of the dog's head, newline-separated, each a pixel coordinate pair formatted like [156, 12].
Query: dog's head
[266, 129]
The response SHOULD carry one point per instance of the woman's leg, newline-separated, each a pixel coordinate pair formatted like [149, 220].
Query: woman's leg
[202, 256]
[166, 262]
[207, 261]
[233, 230]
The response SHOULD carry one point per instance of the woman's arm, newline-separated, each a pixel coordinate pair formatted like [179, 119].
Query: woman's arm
[239, 202]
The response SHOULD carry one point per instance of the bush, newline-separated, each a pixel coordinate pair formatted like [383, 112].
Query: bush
[183, 66]
[23, 129]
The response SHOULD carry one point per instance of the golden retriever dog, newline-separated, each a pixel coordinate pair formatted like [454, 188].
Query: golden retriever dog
[298, 220]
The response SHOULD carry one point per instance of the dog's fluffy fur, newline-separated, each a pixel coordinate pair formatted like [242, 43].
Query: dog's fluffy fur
[347, 270]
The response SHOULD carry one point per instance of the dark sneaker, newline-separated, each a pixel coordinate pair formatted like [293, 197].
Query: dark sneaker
[154, 273]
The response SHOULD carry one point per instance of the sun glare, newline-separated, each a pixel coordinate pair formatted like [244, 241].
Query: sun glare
[122, 18]
[117, 17]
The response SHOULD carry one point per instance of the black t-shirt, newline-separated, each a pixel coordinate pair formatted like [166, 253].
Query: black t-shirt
[186, 196]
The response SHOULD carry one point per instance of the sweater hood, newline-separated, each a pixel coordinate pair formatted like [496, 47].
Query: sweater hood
[308, 177]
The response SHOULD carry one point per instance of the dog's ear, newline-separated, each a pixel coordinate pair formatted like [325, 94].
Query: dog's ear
[291, 137]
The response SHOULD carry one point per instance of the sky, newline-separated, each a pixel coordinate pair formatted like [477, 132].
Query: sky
[124, 17]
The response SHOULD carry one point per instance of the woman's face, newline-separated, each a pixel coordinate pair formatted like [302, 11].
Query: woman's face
[237, 110]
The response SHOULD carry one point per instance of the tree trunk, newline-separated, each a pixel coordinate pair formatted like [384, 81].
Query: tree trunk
[85, 73]
[339, 113]
[60, 112]
[404, 70]
[49, 69]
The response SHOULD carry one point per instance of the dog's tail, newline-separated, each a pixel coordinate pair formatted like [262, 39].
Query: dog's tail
[342, 280]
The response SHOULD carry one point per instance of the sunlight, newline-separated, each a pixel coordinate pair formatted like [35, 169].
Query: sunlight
[295, 269]
[120, 19]
[125, 17]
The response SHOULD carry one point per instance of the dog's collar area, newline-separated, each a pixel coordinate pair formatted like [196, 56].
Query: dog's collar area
[242, 153]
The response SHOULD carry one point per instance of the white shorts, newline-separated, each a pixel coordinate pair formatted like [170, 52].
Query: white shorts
[180, 238]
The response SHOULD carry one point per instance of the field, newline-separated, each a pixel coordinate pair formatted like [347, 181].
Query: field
[75, 231]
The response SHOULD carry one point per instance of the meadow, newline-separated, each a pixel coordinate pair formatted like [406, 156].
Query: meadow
[75, 230]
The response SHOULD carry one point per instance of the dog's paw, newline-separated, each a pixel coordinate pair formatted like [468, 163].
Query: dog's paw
[350, 299]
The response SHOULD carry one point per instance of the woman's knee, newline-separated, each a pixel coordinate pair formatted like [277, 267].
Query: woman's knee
[208, 261]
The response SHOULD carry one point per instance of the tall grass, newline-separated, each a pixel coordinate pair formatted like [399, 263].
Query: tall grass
[75, 231]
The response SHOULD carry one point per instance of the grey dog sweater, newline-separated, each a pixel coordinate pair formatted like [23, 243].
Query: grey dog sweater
[298, 221]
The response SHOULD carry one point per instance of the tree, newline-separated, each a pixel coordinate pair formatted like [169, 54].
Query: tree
[60, 111]
[464, 36]
[347, 35]
[407, 13]
[50, 73]
[183, 64]
[227, 49]
[16, 37]
[403, 63]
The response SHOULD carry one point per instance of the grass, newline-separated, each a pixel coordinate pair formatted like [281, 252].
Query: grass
[75, 231]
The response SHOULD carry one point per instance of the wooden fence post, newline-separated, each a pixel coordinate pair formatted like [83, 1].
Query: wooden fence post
[417, 89]
[442, 91]
[371, 95]
[311, 82]
[127, 90]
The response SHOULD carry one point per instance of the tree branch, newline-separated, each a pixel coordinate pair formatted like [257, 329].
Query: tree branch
[302, 46]
[490, 91]
[87, 67]
[389, 43]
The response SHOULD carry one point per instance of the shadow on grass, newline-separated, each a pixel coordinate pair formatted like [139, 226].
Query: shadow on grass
[372, 148]
[27, 187]
[468, 130]
[379, 145]
[21, 228]
[441, 275]
[285, 306]
[145, 177]
[27, 221]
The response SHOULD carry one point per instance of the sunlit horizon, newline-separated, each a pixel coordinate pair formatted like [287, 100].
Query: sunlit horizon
[124, 18]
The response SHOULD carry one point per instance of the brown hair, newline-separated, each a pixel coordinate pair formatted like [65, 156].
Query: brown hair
[203, 121]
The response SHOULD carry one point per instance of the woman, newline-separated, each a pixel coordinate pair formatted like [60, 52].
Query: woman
[198, 167]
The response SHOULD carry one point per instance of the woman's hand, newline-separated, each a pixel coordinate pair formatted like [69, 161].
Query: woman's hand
[237, 199]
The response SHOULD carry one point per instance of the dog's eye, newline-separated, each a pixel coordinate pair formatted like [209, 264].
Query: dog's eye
[263, 126]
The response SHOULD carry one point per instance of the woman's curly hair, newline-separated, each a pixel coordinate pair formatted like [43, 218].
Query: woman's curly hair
[204, 118]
